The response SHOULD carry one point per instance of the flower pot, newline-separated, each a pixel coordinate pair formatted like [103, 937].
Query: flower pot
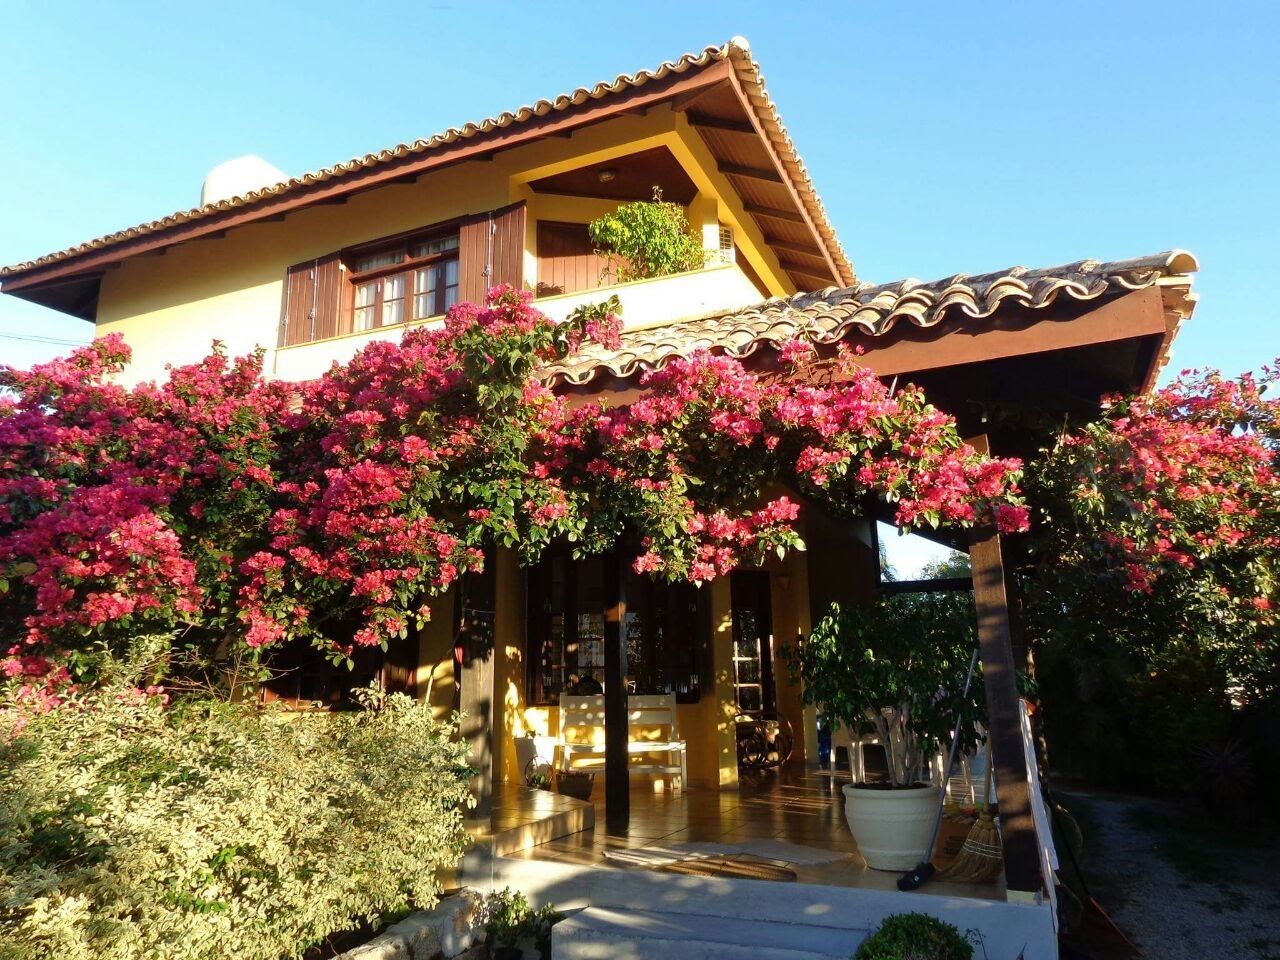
[891, 827]
[575, 783]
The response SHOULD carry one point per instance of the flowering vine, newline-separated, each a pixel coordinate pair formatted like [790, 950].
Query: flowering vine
[247, 513]
[1173, 501]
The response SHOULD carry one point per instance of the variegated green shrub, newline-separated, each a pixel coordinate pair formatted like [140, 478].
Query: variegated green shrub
[132, 829]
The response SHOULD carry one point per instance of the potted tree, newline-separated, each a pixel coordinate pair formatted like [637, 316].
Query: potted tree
[895, 669]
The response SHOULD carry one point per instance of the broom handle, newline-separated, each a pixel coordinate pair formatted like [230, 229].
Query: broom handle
[951, 756]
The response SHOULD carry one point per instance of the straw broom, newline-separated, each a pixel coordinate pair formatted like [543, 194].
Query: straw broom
[979, 860]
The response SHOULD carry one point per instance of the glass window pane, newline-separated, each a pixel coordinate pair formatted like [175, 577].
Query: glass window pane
[374, 260]
[424, 280]
[392, 299]
[364, 318]
[450, 284]
[424, 289]
[750, 699]
[427, 248]
[366, 293]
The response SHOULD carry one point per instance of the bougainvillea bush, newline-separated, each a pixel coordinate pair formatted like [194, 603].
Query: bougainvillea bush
[1153, 595]
[135, 830]
[242, 514]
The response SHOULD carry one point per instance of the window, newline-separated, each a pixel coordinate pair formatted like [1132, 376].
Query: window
[668, 629]
[753, 689]
[413, 279]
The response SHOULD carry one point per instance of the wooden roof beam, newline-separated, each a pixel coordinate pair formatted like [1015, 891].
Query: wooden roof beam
[752, 173]
[719, 123]
[758, 210]
[812, 273]
[792, 247]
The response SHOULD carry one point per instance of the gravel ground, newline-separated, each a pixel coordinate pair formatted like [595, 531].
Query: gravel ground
[1178, 884]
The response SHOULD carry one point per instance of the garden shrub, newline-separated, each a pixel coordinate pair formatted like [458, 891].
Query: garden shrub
[648, 239]
[915, 936]
[134, 829]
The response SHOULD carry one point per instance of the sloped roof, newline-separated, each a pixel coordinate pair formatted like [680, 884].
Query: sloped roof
[736, 51]
[827, 316]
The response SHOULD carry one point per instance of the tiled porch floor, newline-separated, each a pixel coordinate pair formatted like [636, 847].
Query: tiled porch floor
[794, 806]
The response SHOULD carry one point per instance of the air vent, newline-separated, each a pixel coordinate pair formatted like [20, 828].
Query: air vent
[727, 252]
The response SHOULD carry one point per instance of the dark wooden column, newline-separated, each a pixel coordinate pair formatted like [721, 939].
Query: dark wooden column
[474, 654]
[1004, 725]
[617, 798]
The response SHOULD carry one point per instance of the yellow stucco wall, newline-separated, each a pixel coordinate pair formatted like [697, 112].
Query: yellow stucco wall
[171, 307]
[435, 679]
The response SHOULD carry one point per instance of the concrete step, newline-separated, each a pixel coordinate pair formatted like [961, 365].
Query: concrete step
[608, 933]
[1009, 929]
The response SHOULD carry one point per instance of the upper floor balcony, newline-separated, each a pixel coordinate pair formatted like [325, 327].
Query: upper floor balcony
[718, 286]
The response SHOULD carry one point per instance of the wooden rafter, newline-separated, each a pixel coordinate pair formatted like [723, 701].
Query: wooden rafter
[759, 210]
[752, 173]
[719, 123]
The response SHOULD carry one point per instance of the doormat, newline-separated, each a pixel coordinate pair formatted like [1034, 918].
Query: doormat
[730, 868]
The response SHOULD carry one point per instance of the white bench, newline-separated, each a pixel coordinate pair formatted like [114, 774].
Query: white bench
[581, 733]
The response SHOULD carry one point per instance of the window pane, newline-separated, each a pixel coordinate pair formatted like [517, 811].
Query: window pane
[393, 299]
[427, 248]
[450, 285]
[424, 292]
[374, 260]
[366, 295]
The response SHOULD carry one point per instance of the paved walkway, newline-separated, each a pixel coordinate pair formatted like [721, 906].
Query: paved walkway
[1182, 889]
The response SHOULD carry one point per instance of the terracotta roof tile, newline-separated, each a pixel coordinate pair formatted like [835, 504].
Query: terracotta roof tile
[735, 50]
[827, 316]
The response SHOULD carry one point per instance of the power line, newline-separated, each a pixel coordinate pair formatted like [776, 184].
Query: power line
[33, 338]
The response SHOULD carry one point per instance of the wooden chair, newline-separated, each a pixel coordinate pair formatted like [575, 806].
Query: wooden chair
[653, 735]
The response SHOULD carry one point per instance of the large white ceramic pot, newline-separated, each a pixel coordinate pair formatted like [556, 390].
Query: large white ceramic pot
[891, 827]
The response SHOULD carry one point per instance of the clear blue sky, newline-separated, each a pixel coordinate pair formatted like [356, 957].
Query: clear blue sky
[943, 137]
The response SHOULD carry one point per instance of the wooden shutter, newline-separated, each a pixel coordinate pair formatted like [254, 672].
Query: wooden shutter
[490, 251]
[312, 295]
[508, 246]
[567, 260]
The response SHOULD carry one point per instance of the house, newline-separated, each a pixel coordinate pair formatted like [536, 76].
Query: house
[313, 268]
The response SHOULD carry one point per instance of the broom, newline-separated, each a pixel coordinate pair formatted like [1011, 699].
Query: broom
[918, 877]
[979, 860]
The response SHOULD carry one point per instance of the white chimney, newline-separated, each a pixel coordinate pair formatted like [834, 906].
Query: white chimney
[237, 177]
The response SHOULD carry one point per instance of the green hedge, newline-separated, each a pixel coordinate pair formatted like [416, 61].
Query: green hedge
[129, 829]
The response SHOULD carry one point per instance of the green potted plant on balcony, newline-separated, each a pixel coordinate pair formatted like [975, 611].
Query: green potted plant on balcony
[646, 239]
[896, 671]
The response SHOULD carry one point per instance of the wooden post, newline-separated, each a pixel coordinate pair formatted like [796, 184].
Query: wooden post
[1004, 724]
[474, 652]
[617, 799]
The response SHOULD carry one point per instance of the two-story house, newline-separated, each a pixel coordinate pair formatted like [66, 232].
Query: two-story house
[314, 267]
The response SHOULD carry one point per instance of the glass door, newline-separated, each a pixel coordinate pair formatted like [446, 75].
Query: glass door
[753, 688]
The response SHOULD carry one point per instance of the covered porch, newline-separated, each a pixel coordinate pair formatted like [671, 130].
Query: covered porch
[1008, 355]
